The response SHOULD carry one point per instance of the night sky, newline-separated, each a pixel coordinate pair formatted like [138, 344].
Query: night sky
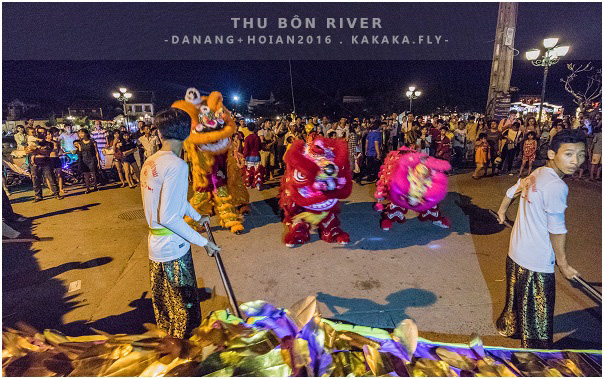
[458, 83]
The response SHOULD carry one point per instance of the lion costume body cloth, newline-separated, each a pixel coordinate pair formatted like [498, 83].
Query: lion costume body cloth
[411, 180]
[317, 176]
[217, 184]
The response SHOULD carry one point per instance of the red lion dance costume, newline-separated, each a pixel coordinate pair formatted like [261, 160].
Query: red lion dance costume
[317, 175]
[411, 180]
[217, 184]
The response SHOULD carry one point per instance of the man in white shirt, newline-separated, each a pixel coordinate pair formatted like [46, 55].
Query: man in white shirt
[164, 185]
[150, 143]
[67, 138]
[538, 242]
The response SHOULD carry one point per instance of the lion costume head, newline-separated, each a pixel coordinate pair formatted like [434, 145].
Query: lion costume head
[412, 180]
[211, 123]
[317, 174]
[208, 143]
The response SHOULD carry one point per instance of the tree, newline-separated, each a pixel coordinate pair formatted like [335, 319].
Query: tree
[593, 87]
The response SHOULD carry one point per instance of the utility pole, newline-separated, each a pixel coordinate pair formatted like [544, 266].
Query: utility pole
[498, 103]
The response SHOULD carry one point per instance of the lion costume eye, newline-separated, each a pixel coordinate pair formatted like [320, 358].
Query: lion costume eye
[298, 176]
[204, 109]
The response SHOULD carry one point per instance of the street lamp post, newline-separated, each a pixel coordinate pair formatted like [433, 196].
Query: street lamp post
[123, 95]
[552, 55]
[412, 94]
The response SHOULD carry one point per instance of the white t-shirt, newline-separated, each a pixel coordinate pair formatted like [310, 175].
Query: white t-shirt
[164, 185]
[541, 212]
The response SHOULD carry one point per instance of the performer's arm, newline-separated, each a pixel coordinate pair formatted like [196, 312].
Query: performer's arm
[512, 193]
[173, 191]
[195, 216]
[554, 200]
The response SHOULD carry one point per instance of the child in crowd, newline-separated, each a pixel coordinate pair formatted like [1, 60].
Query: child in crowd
[422, 144]
[529, 152]
[238, 150]
[482, 156]
[443, 145]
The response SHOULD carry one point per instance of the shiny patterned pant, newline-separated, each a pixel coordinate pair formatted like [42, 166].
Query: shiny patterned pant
[529, 306]
[174, 295]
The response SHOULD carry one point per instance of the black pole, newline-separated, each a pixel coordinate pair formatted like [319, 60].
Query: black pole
[223, 275]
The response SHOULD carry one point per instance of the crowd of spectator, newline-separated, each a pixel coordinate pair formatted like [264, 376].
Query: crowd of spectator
[94, 155]
[466, 142]
[469, 142]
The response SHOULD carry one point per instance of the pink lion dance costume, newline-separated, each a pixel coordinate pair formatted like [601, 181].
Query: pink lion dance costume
[317, 175]
[411, 180]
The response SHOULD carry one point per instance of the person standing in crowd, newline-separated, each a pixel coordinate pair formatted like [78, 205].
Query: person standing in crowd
[243, 128]
[291, 132]
[20, 138]
[164, 186]
[494, 141]
[434, 131]
[443, 145]
[268, 143]
[112, 140]
[88, 159]
[32, 138]
[332, 131]
[99, 135]
[531, 126]
[471, 134]
[482, 156]
[529, 152]
[538, 243]
[393, 128]
[40, 165]
[579, 121]
[325, 126]
[506, 123]
[459, 144]
[354, 140]
[512, 137]
[342, 128]
[596, 154]
[55, 161]
[280, 132]
[251, 153]
[67, 138]
[238, 151]
[127, 148]
[373, 151]
[424, 141]
[150, 143]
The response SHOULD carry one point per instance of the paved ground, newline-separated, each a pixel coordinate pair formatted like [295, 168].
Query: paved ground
[92, 269]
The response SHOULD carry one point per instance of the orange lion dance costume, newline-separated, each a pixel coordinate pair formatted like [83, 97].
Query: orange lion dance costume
[217, 184]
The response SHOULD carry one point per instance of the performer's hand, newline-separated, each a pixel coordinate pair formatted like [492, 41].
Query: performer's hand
[202, 221]
[213, 248]
[501, 217]
[568, 272]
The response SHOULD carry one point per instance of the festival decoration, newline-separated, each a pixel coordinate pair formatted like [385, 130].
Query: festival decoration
[278, 342]
[317, 176]
[217, 184]
[411, 180]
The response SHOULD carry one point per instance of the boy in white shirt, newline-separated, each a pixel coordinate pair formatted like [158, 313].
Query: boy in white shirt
[537, 243]
[164, 185]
